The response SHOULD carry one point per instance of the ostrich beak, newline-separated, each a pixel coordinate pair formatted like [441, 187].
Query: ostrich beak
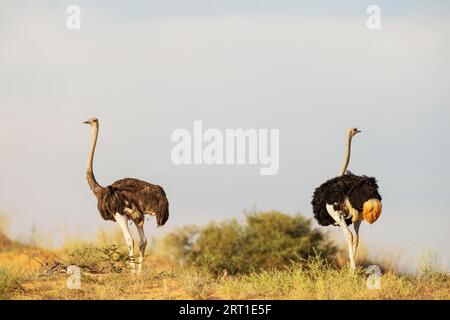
[86, 122]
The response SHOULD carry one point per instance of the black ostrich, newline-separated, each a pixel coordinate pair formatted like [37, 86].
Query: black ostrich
[345, 199]
[127, 199]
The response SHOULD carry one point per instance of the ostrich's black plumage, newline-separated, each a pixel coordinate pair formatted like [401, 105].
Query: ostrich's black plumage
[358, 189]
[139, 196]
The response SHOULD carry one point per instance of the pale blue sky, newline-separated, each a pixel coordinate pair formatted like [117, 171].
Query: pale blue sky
[146, 68]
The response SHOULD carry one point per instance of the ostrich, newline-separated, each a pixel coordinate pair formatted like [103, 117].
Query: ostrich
[127, 199]
[347, 199]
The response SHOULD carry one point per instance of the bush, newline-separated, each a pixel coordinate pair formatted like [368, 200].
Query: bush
[264, 241]
[105, 259]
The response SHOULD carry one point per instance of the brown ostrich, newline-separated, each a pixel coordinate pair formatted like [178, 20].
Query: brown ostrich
[127, 199]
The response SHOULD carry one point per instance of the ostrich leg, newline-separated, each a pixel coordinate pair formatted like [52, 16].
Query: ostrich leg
[122, 220]
[142, 245]
[349, 237]
[339, 218]
[356, 225]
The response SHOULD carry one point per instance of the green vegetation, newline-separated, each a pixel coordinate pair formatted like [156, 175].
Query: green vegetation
[269, 256]
[266, 240]
[318, 279]
[109, 258]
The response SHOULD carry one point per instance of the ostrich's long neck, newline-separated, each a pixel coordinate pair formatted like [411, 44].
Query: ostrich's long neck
[347, 155]
[95, 187]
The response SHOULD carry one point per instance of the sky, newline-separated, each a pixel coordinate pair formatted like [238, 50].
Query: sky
[146, 68]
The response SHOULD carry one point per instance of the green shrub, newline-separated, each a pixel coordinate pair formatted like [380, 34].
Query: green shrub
[264, 241]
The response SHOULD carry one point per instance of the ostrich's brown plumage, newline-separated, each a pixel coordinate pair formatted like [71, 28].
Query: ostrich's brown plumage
[131, 197]
[127, 199]
[134, 198]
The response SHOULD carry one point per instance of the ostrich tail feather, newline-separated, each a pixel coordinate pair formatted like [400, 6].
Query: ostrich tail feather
[372, 210]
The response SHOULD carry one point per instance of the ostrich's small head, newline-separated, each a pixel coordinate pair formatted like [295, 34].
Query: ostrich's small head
[93, 122]
[353, 131]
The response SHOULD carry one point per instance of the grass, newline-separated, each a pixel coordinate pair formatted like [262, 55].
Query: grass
[105, 276]
[9, 282]
[198, 285]
[314, 280]
[320, 281]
